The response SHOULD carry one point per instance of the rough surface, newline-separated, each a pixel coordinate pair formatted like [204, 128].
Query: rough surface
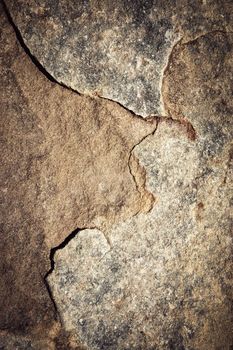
[64, 165]
[164, 280]
[115, 49]
[197, 87]
[153, 269]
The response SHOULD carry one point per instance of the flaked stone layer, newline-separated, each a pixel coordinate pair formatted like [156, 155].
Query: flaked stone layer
[165, 279]
[65, 165]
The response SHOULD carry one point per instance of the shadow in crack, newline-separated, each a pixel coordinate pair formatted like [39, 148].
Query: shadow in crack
[52, 262]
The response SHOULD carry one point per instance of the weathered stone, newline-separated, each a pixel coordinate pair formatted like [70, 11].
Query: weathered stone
[115, 49]
[197, 87]
[65, 165]
[163, 280]
[145, 276]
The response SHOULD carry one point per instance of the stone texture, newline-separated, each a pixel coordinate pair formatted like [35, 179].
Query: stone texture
[115, 49]
[65, 164]
[154, 268]
[197, 87]
[163, 280]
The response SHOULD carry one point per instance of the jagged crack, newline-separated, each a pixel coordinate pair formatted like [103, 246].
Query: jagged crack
[52, 263]
[138, 173]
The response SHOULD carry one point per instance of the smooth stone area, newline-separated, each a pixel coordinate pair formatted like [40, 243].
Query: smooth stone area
[115, 49]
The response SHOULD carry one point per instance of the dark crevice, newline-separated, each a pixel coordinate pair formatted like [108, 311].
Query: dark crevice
[51, 297]
[52, 264]
[24, 46]
[60, 246]
[53, 80]
[49, 76]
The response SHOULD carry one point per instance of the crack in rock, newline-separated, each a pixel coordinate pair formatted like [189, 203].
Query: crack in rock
[138, 173]
[52, 262]
[166, 281]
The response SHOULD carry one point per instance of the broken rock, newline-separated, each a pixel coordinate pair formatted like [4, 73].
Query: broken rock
[155, 270]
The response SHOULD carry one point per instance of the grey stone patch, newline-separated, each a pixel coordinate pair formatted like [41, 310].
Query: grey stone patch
[117, 50]
[164, 283]
[197, 87]
[52, 142]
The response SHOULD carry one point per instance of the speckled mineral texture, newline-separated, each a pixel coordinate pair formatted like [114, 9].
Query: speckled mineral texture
[115, 49]
[163, 280]
[65, 164]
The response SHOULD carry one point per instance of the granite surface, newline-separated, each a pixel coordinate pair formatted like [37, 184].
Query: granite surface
[115, 49]
[116, 229]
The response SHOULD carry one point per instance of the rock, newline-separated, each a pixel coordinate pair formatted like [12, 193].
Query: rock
[65, 165]
[197, 87]
[117, 50]
[134, 214]
[163, 280]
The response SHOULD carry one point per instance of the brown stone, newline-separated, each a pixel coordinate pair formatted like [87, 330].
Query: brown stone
[162, 280]
[64, 166]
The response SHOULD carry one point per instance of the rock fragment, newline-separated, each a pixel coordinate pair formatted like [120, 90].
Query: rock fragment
[197, 87]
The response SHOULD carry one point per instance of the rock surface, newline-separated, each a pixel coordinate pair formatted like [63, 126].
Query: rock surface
[65, 165]
[163, 280]
[152, 266]
[115, 49]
